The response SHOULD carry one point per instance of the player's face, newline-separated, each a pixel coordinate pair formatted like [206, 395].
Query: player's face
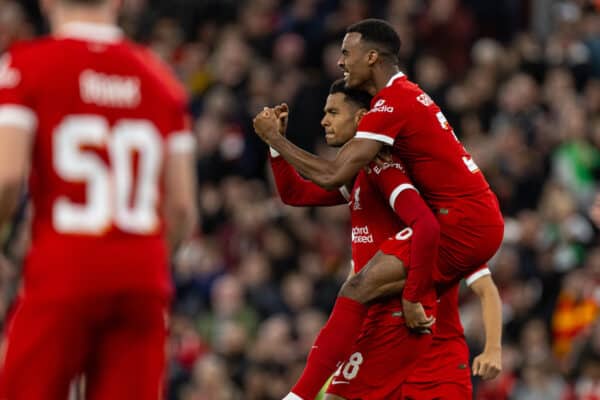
[339, 120]
[354, 61]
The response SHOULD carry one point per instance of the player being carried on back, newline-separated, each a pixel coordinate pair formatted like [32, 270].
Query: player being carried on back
[373, 370]
[404, 117]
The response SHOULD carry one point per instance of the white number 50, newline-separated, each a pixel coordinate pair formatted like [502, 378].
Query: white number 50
[109, 190]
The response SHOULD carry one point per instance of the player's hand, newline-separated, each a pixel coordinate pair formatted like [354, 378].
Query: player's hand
[282, 112]
[266, 124]
[488, 364]
[415, 317]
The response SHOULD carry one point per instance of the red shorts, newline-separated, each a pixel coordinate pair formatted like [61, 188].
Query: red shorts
[381, 360]
[116, 342]
[470, 234]
[437, 391]
[442, 373]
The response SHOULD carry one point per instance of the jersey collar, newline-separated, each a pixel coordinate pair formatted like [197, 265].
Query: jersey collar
[91, 32]
[397, 75]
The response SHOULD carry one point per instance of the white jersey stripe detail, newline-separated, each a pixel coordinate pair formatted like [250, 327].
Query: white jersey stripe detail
[345, 192]
[475, 276]
[292, 396]
[181, 142]
[399, 189]
[18, 116]
[274, 153]
[374, 136]
[397, 75]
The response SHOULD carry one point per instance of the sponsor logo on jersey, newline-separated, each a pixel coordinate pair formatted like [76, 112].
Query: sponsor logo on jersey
[424, 99]
[380, 106]
[109, 90]
[378, 169]
[9, 77]
[361, 234]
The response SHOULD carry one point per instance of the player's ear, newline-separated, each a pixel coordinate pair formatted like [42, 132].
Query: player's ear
[372, 56]
[359, 114]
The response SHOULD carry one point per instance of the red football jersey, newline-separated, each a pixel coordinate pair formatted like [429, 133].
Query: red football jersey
[104, 113]
[405, 117]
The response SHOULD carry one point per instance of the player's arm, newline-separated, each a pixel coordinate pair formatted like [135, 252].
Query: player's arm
[412, 210]
[18, 123]
[489, 363]
[297, 191]
[15, 149]
[329, 174]
[180, 189]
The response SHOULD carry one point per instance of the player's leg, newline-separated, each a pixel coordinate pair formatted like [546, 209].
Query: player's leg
[44, 349]
[382, 359]
[129, 361]
[383, 276]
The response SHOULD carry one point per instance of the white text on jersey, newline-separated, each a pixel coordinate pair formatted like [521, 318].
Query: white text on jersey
[109, 90]
[361, 234]
[9, 77]
[380, 106]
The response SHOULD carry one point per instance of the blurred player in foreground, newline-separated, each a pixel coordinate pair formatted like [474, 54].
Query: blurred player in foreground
[99, 127]
[384, 355]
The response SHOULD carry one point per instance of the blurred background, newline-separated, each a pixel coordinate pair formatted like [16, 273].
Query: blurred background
[520, 82]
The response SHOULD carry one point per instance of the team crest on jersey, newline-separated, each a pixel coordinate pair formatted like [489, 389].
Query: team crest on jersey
[9, 77]
[424, 99]
[356, 205]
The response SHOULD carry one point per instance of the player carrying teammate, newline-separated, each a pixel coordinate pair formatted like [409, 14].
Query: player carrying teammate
[404, 117]
[99, 126]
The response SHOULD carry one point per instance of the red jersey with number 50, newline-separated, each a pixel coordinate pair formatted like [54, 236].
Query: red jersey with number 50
[405, 117]
[104, 114]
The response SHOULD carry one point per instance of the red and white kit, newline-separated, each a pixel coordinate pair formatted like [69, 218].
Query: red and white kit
[471, 225]
[385, 351]
[104, 114]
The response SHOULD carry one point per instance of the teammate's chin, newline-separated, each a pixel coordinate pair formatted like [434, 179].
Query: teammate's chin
[332, 140]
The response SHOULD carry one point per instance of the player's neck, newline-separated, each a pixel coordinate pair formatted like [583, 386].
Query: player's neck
[90, 15]
[382, 76]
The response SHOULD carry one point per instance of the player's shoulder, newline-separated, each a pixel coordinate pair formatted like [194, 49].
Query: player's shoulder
[401, 92]
[158, 71]
[29, 49]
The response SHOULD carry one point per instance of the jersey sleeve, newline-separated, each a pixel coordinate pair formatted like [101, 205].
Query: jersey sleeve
[480, 273]
[16, 94]
[384, 121]
[412, 210]
[297, 191]
[180, 139]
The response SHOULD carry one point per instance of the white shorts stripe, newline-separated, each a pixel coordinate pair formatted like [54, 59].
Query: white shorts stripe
[476, 275]
[399, 189]
[181, 142]
[274, 153]
[18, 116]
[374, 136]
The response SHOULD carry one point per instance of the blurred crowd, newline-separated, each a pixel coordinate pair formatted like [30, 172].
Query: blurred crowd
[520, 82]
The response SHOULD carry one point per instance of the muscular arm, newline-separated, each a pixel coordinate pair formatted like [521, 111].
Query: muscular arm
[488, 364]
[297, 191]
[15, 148]
[329, 174]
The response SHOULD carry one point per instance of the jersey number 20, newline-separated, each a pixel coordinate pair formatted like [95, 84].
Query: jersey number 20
[109, 191]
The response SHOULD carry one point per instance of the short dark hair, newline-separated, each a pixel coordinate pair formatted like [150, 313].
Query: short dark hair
[381, 33]
[356, 96]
